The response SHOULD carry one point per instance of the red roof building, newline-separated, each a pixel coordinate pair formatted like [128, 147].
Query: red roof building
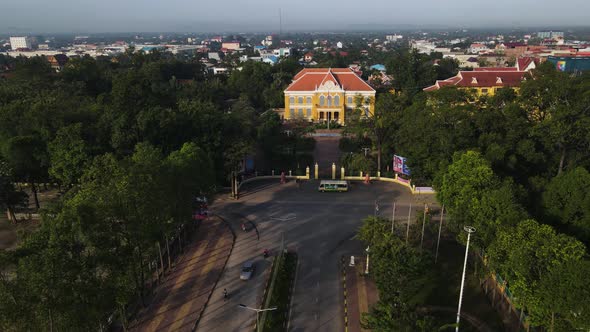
[320, 94]
[485, 81]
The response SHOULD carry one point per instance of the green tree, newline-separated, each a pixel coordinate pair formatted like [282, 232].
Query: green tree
[68, 154]
[567, 201]
[525, 256]
[27, 157]
[10, 197]
[558, 104]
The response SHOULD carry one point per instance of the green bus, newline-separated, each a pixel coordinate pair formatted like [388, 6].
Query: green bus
[333, 185]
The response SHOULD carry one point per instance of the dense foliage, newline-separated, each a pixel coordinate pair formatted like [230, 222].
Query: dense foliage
[496, 162]
[130, 140]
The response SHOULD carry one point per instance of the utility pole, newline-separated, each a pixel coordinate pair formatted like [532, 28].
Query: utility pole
[408, 226]
[442, 212]
[469, 230]
[392, 216]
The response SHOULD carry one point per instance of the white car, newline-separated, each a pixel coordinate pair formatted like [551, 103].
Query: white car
[247, 270]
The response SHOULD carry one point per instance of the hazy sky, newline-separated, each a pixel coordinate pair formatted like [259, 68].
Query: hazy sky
[43, 16]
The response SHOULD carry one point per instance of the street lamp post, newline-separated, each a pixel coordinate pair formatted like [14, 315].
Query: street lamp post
[469, 230]
[367, 265]
[258, 311]
[392, 217]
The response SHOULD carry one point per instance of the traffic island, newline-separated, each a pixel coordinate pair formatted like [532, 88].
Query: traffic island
[278, 293]
[359, 290]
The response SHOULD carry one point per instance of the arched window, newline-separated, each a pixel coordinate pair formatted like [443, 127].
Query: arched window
[300, 100]
[337, 101]
[309, 100]
[291, 100]
[329, 101]
[322, 100]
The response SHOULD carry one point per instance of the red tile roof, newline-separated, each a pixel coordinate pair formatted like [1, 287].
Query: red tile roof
[495, 69]
[523, 63]
[479, 79]
[309, 79]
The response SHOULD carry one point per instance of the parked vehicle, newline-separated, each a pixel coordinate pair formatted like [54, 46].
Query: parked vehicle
[333, 185]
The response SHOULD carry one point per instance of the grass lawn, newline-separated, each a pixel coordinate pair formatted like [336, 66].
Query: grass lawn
[448, 280]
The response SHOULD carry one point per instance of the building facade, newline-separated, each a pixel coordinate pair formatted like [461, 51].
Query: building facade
[322, 94]
[570, 64]
[484, 81]
[20, 43]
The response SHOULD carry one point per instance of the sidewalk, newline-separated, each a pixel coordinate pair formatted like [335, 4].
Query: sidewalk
[360, 293]
[182, 297]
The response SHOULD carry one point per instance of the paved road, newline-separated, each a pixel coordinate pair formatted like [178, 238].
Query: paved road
[319, 226]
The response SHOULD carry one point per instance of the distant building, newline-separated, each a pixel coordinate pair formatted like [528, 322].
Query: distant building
[570, 64]
[220, 71]
[214, 56]
[476, 48]
[308, 57]
[393, 38]
[339, 45]
[320, 94]
[57, 61]
[234, 45]
[270, 59]
[550, 35]
[512, 49]
[484, 81]
[378, 67]
[283, 51]
[20, 43]
[527, 63]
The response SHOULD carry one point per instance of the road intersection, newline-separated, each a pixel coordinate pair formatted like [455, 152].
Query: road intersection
[320, 227]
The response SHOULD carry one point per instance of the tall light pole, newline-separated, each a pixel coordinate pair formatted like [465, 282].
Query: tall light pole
[442, 212]
[258, 311]
[469, 230]
[408, 226]
[423, 224]
[392, 217]
[367, 265]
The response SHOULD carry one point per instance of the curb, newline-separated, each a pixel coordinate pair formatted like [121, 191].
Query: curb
[219, 277]
[343, 261]
[292, 293]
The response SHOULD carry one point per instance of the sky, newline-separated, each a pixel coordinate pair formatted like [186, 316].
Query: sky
[93, 16]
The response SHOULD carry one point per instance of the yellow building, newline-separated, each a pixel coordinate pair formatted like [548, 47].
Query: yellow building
[484, 81]
[321, 94]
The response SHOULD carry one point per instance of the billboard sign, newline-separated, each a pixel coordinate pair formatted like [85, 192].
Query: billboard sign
[400, 165]
[561, 65]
